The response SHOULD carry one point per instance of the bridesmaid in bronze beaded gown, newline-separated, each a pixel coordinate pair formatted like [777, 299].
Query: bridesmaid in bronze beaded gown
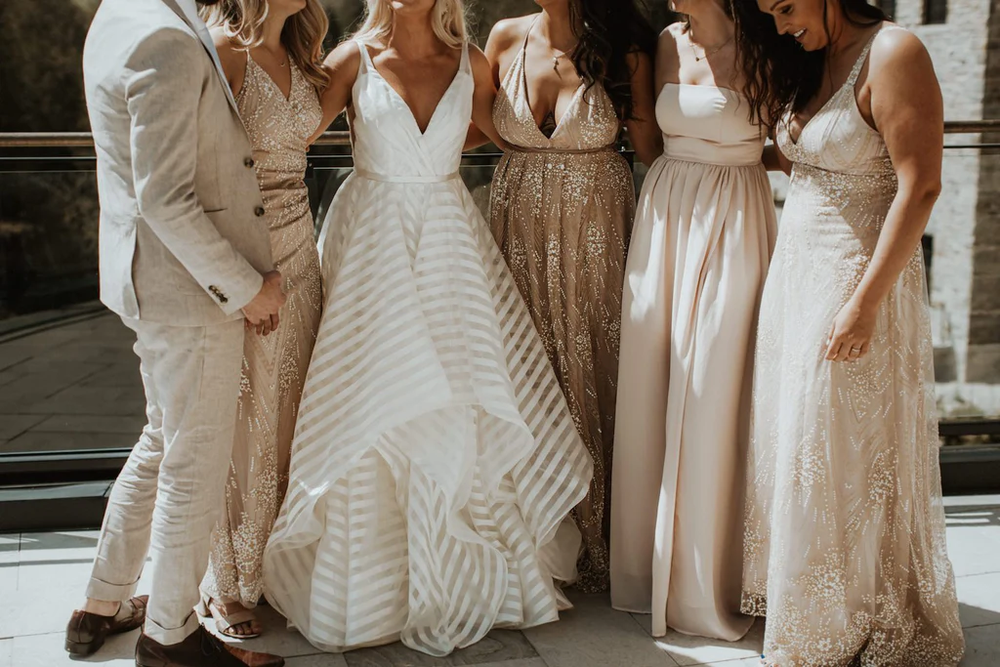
[281, 113]
[562, 205]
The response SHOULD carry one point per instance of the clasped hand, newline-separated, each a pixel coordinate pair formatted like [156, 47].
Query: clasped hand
[262, 312]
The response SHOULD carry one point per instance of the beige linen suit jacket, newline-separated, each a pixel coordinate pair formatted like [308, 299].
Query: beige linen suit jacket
[182, 238]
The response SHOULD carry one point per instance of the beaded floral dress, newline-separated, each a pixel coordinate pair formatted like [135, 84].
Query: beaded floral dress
[274, 366]
[561, 210]
[845, 531]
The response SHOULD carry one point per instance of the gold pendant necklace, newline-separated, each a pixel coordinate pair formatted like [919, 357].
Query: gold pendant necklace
[555, 60]
[708, 54]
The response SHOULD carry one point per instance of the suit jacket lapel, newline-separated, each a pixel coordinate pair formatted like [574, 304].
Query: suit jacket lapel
[206, 41]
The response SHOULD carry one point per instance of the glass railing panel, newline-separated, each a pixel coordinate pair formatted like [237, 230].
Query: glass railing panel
[69, 381]
[964, 276]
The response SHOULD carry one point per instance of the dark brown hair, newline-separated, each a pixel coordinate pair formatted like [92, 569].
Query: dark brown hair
[778, 74]
[611, 31]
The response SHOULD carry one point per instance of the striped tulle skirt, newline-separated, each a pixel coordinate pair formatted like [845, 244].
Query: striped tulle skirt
[435, 461]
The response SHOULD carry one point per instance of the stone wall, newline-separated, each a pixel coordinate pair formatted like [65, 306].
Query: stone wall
[984, 316]
[959, 50]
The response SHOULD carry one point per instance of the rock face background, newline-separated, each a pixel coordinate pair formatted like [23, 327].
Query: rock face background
[43, 42]
[48, 218]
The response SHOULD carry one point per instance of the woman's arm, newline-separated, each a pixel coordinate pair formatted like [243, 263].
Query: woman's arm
[484, 97]
[643, 131]
[775, 160]
[502, 36]
[342, 65]
[908, 111]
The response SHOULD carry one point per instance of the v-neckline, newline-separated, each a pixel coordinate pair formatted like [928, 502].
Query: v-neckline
[273, 83]
[399, 97]
[802, 130]
[852, 81]
[527, 101]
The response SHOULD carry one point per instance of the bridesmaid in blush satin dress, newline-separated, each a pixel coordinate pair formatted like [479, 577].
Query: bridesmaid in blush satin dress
[562, 205]
[700, 249]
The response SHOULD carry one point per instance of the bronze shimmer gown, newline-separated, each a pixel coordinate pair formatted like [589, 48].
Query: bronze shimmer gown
[274, 367]
[561, 212]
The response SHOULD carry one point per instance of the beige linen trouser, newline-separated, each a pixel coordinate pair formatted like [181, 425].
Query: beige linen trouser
[166, 500]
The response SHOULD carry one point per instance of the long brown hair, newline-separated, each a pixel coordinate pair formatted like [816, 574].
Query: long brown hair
[303, 34]
[608, 31]
[779, 76]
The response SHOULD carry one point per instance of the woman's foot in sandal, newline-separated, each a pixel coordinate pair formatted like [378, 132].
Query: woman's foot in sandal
[232, 619]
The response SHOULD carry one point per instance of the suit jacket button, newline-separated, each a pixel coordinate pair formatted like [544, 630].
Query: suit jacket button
[259, 211]
[217, 293]
[248, 163]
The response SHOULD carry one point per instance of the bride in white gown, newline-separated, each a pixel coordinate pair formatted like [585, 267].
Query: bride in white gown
[435, 460]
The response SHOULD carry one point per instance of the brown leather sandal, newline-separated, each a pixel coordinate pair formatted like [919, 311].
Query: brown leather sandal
[87, 632]
[226, 622]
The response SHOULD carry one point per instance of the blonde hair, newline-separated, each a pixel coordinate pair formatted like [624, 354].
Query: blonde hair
[303, 34]
[448, 20]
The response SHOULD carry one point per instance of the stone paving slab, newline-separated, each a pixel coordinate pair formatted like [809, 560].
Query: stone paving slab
[43, 575]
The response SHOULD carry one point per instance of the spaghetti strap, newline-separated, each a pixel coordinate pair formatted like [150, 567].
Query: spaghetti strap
[237, 94]
[366, 58]
[863, 58]
[466, 64]
[527, 34]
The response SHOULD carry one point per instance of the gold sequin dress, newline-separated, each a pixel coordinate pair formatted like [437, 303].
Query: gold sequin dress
[274, 366]
[561, 211]
[845, 531]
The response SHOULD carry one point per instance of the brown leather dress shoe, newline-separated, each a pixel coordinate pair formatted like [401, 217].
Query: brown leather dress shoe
[86, 632]
[200, 649]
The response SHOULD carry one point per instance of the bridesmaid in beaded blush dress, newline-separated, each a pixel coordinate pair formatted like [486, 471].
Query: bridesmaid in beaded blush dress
[563, 201]
[276, 80]
[845, 548]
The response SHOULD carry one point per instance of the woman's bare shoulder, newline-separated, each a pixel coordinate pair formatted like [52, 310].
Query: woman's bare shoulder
[346, 56]
[508, 32]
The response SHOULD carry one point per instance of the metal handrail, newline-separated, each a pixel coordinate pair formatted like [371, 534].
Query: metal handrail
[86, 139]
[341, 138]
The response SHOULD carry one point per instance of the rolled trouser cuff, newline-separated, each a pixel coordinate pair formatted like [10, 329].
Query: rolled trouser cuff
[106, 592]
[170, 636]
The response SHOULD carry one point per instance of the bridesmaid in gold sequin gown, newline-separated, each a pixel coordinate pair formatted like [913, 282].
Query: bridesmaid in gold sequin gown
[276, 85]
[563, 201]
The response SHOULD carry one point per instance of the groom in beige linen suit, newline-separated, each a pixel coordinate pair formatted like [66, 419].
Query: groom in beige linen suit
[184, 260]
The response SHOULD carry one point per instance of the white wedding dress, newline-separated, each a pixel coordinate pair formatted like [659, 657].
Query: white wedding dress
[435, 460]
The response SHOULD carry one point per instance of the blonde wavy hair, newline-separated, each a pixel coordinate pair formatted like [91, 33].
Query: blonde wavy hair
[303, 34]
[448, 19]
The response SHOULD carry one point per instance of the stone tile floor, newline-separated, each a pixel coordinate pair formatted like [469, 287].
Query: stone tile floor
[42, 578]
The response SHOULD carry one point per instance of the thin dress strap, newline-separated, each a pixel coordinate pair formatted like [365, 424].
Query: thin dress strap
[366, 58]
[858, 66]
[466, 64]
[246, 74]
[527, 34]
